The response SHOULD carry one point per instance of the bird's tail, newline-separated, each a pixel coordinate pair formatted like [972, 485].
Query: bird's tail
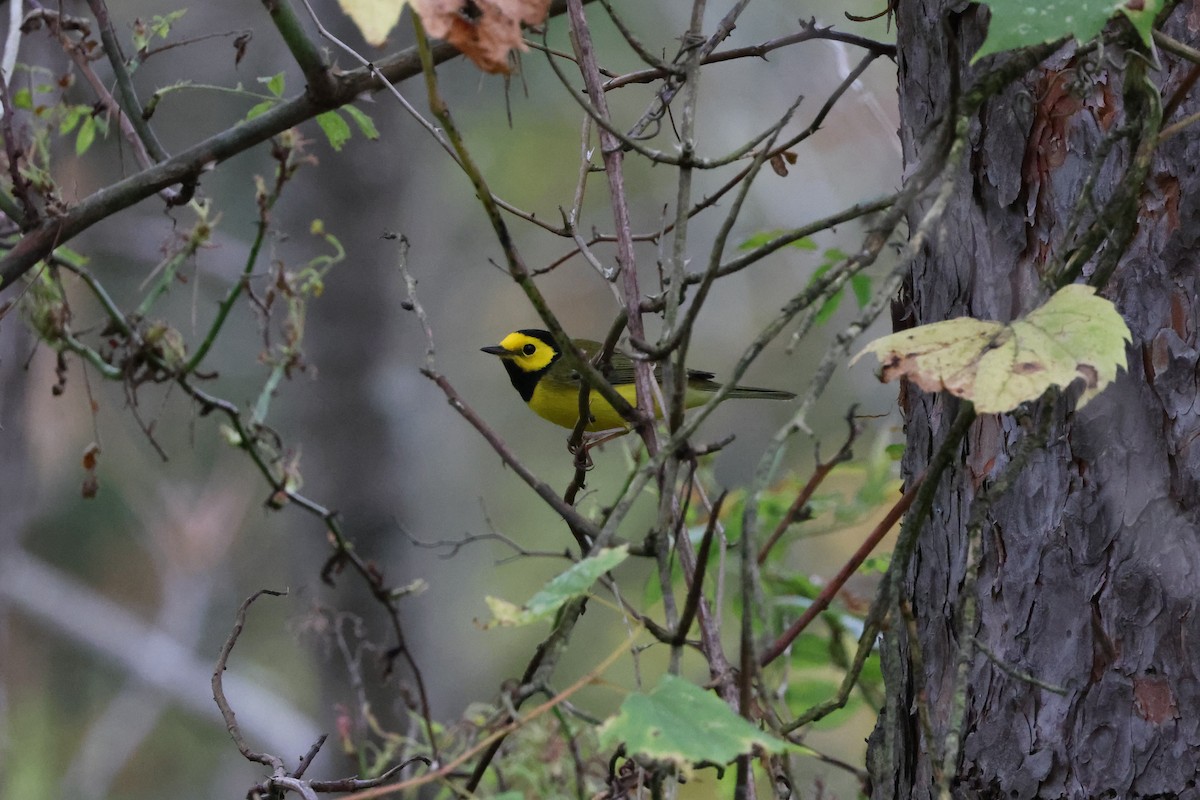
[754, 392]
[703, 382]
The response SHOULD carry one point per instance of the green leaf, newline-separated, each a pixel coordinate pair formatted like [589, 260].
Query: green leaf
[861, 286]
[1075, 335]
[72, 257]
[161, 23]
[1021, 23]
[274, 84]
[872, 671]
[72, 117]
[680, 723]
[766, 237]
[810, 651]
[86, 135]
[23, 98]
[363, 121]
[336, 129]
[652, 595]
[260, 108]
[875, 565]
[572, 583]
[1143, 19]
[829, 308]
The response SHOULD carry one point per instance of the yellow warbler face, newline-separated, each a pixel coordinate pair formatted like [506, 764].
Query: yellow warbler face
[527, 352]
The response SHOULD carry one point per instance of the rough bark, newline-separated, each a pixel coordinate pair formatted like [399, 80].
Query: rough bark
[1090, 570]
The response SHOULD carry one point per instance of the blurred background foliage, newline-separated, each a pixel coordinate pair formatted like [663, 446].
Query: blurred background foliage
[113, 608]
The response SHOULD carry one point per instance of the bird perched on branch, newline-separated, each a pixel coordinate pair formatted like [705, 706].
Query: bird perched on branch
[550, 387]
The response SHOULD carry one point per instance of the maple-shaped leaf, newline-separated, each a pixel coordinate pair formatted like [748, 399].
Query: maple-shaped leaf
[1074, 336]
[484, 30]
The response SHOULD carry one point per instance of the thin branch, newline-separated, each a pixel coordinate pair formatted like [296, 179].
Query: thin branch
[835, 584]
[141, 139]
[670, 89]
[889, 587]
[1176, 47]
[576, 443]
[542, 663]
[517, 268]
[231, 725]
[12, 41]
[692, 601]
[809, 31]
[302, 47]
[580, 526]
[129, 99]
[266, 201]
[581, 40]
[820, 473]
[635, 44]
[189, 164]
[678, 332]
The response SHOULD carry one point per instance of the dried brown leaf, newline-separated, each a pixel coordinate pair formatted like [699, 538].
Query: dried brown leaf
[484, 30]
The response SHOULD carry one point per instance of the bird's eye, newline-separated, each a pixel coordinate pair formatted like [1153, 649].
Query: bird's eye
[528, 349]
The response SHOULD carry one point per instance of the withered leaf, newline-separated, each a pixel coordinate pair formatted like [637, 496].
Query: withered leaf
[484, 30]
[91, 484]
[1074, 336]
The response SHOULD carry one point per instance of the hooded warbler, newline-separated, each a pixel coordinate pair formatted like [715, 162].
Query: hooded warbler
[551, 388]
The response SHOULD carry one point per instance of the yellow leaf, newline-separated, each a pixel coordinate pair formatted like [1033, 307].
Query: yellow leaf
[1074, 336]
[503, 612]
[374, 18]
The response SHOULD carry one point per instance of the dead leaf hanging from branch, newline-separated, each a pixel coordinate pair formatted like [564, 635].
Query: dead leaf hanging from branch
[484, 30]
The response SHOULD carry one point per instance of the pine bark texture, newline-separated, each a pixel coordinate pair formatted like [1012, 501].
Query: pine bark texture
[1090, 571]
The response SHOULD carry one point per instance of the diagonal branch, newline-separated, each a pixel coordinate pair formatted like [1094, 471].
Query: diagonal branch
[190, 164]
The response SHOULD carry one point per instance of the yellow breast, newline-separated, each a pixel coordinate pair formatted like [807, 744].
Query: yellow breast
[560, 405]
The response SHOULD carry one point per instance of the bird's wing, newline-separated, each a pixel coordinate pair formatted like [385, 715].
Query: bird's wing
[620, 368]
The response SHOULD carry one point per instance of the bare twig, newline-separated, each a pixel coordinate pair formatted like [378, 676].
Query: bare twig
[129, 99]
[231, 725]
[808, 32]
[626, 262]
[889, 587]
[692, 602]
[822, 600]
[820, 473]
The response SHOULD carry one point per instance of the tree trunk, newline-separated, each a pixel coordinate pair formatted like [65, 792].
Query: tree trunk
[1089, 575]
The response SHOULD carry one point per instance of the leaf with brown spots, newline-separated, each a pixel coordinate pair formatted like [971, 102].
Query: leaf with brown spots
[1074, 336]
